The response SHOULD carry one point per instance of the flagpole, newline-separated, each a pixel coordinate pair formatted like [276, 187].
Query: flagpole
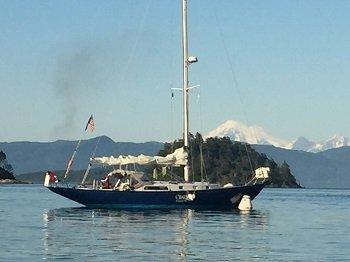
[89, 126]
[70, 163]
[89, 166]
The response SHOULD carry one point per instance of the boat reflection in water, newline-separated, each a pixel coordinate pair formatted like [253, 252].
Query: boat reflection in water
[99, 235]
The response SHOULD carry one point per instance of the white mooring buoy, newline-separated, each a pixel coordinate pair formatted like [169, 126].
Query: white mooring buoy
[245, 204]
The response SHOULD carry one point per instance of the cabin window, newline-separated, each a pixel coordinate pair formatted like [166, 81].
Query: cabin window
[207, 187]
[156, 188]
[181, 187]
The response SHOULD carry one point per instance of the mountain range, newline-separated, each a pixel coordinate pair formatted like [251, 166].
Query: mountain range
[322, 168]
[240, 132]
[26, 157]
[326, 169]
[324, 164]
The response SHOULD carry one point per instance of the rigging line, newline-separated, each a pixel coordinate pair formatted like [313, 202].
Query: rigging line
[172, 23]
[172, 117]
[201, 155]
[202, 162]
[90, 165]
[192, 158]
[200, 111]
[201, 132]
[233, 75]
[137, 40]
[205, 169]
[205, 172]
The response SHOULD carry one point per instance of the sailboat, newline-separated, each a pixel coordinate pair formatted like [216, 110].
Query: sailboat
[124, 188]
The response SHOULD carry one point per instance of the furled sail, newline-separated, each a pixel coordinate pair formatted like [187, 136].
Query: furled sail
[262, 172]
[178, 158]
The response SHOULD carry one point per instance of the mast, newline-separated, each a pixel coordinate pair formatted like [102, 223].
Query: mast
[185, 83]
[187, 60]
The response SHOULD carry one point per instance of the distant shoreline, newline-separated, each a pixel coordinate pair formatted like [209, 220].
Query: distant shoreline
[12, 181]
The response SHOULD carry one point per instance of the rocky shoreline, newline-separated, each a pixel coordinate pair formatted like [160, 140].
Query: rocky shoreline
[6, 172]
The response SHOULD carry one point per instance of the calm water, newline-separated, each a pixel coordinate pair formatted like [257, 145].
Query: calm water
[311, 225]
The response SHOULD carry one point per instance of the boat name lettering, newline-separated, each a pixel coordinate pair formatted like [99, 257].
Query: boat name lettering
[183, 198]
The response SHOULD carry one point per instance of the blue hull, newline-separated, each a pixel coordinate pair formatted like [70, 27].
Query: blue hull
[221, 198]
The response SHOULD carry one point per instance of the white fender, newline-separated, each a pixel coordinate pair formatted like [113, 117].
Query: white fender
[47, 180]
[245, 204]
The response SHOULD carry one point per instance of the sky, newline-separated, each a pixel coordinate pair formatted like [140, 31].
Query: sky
[282, 65]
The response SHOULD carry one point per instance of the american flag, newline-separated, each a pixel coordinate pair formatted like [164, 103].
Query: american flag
[90, 124]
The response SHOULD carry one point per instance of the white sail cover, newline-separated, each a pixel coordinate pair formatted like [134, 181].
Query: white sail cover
[262, 172]
[178, 158]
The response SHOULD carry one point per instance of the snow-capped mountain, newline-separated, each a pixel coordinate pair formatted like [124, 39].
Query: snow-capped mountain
[334, 142]
[238, 131]
[303, 144]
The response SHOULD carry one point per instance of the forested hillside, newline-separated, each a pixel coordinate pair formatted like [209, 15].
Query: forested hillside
[225, 161]
[5, 168]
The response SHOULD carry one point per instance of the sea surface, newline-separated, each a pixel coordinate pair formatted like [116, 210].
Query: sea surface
[285, 225]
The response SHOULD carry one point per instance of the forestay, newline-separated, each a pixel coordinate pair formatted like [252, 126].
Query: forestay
[178, 158]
